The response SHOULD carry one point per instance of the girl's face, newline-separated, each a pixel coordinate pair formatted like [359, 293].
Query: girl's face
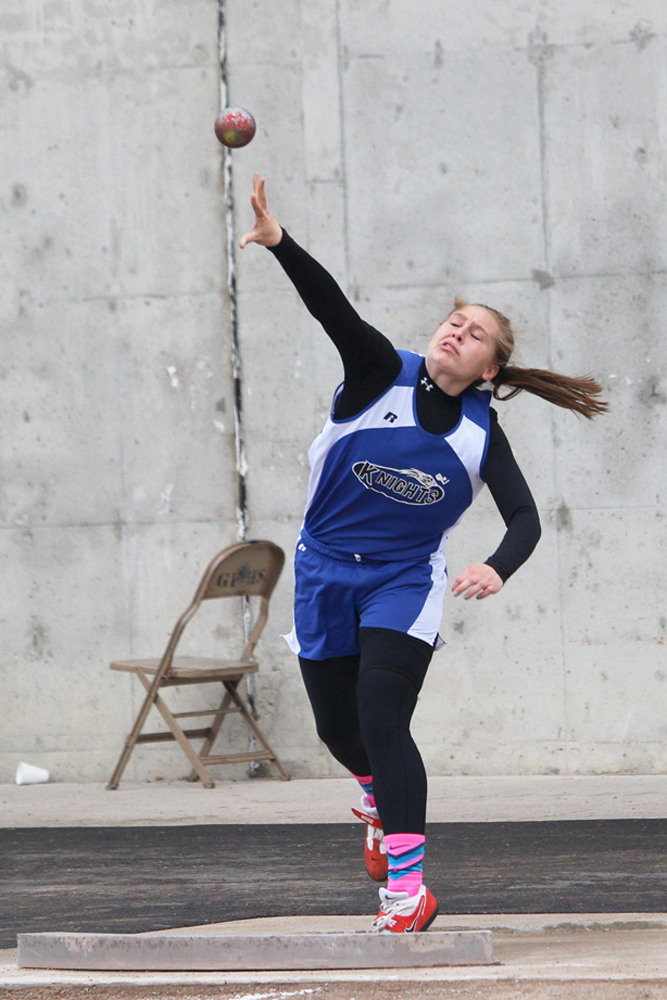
[462, 349]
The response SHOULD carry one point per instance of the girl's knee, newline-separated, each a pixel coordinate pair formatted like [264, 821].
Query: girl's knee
[386, 702]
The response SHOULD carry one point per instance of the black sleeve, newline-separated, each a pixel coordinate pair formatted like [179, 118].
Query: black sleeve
[514, 501]
[370, 362]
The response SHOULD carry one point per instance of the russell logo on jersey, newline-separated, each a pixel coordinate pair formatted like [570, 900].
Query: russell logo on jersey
[403, 485]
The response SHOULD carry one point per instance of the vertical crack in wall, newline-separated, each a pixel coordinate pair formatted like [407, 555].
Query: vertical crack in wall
[241, 466]
[237, 378]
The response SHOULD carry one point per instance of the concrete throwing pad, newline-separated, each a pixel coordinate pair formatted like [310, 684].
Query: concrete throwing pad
[220, 952]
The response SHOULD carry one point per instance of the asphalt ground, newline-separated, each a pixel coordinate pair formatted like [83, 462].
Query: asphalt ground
[133, 879]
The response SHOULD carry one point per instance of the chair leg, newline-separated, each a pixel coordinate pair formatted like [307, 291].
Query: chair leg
[183, 742]
[236, 698]
[216, 724]
[134, 733]
[120, 766]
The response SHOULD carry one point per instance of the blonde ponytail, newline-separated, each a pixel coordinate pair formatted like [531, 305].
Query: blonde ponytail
[577, 393]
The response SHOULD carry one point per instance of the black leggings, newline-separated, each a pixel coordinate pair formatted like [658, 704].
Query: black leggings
[363, 705]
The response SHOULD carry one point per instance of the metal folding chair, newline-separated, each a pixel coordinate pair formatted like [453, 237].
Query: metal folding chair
[247, 570]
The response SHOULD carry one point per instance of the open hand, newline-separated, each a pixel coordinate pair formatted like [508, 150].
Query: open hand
[266, 230]
[478, 580]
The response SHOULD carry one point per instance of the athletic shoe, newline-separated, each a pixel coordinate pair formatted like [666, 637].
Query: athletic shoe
[403, 914]
[375, 852]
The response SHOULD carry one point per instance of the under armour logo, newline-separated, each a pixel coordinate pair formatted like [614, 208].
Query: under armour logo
[390, 417]
[426, 382]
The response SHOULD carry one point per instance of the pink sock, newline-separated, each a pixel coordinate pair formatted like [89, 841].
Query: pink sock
[366, 782]
[405, 854]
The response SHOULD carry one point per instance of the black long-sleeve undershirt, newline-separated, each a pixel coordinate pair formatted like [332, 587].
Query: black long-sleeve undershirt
[370, 366]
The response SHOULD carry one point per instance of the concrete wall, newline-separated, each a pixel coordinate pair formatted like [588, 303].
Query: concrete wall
[118, 479]
[513, 153]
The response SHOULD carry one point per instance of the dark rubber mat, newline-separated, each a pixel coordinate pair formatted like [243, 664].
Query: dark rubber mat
[130, 879]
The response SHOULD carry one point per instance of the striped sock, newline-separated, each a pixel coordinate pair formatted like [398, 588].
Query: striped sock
[405, 854]
[366, 782]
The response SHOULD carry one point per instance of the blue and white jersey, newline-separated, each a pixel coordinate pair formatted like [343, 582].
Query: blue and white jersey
[382, 487]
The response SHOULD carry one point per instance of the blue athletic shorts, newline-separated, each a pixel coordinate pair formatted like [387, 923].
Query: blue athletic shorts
[336, 593]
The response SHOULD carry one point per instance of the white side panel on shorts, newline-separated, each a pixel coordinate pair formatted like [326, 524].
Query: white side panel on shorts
[292, 641]
[427, 623]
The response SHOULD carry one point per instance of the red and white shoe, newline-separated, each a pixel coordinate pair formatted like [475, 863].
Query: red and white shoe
[375, 852]
[403, 914]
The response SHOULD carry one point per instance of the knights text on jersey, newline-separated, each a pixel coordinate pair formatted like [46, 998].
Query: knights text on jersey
[383, 487]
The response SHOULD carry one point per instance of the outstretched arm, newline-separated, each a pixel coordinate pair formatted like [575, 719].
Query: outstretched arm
[369, 360]
[321, 294]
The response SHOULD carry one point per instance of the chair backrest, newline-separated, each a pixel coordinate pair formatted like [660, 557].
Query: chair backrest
[247, 569]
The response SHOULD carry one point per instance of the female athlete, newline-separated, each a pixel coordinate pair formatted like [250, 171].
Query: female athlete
[410, 442]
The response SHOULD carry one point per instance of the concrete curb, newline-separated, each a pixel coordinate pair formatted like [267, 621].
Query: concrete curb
[220, 952]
